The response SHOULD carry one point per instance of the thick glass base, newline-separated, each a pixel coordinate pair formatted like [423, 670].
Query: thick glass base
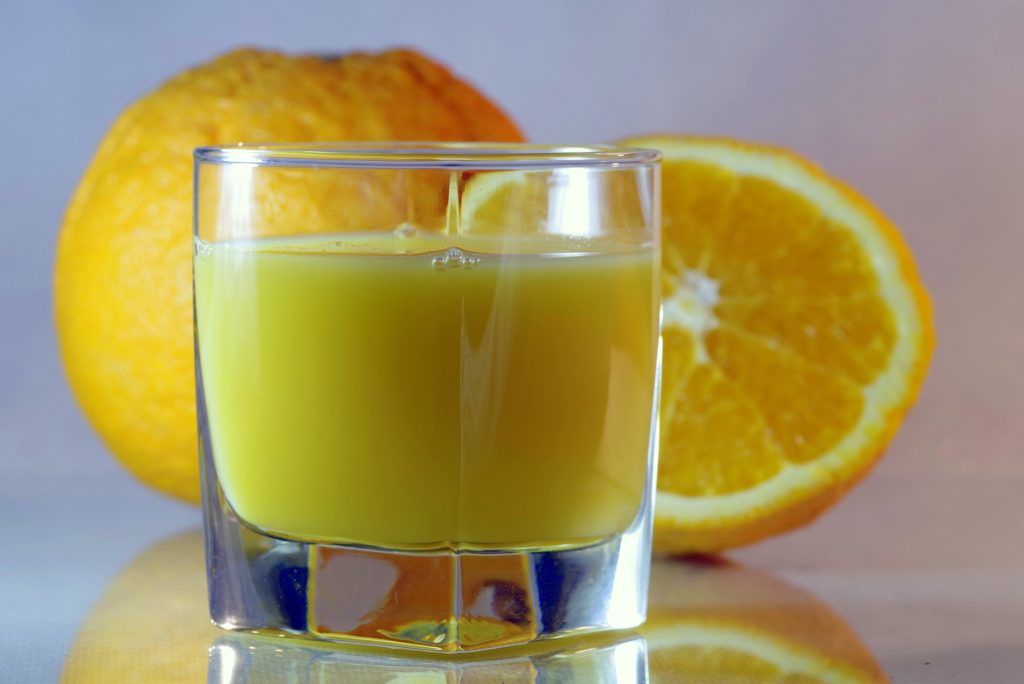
[447, 601]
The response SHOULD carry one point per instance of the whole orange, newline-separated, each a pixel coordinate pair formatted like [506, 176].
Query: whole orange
[123, 289]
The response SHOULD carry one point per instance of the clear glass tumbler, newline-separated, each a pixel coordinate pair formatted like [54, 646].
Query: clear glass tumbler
[427, 381]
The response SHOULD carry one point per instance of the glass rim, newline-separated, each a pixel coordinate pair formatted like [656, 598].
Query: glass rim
[426, 155]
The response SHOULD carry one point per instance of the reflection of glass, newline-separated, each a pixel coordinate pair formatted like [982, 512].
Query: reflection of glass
[426, 410]
[709, 622]
[246, 659]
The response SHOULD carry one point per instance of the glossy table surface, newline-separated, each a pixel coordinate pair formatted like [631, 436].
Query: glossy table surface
[908, 580]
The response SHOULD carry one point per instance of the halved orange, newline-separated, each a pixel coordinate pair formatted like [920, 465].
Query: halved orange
[797, 334]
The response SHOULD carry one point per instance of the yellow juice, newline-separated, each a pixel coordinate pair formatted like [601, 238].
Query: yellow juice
[380, 390]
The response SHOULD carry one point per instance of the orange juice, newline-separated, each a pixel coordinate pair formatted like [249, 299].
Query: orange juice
[412, 390]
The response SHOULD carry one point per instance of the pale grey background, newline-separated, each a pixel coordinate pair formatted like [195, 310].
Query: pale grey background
[920, 104]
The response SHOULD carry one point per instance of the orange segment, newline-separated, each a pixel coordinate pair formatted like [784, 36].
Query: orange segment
[503, 194]
[797, 334]
[828, 331]
[709, 406]
[806, 408]
[554, 202]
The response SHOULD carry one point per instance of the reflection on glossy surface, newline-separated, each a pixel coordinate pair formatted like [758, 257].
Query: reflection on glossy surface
[715, 621]
[151, 624]
[252, 659]
[710, 621]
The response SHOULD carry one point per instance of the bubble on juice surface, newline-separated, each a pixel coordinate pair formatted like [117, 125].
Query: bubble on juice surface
[454, 257]
[203, 248]
[406, 230]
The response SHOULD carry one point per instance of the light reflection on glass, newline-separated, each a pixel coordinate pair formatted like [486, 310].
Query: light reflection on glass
[573, 206]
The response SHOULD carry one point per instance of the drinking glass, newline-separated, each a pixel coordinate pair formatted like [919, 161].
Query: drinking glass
[427, 380]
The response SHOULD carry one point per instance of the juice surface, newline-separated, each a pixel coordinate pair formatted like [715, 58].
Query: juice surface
[381, 390]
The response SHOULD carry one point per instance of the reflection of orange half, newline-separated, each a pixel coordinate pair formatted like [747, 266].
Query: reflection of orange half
[720, 622]
[609, 202]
